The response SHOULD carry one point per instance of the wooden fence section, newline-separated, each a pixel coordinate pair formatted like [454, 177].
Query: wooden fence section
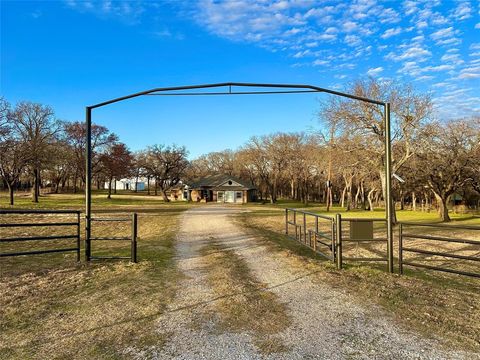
[132, 237]
[427, 252]
[37, 219]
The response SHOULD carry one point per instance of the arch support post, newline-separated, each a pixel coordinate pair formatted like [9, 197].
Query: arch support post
[388, 186]
[88, 183]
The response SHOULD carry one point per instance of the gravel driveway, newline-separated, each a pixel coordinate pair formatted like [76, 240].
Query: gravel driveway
[325, 323]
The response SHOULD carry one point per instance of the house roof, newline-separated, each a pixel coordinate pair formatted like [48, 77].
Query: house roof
[220, 181]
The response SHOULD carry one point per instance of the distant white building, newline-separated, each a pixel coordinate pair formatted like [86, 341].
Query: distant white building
[127, 184]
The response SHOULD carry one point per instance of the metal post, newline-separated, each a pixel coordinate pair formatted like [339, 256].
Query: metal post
[88, 183]
[338, 223]
[332, 232]
[134, 238]
[78, 236]
[388, 190]
[286, 221]
[304, 228]
[400, 248]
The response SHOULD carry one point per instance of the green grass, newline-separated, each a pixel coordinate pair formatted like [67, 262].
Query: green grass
[435, 304]
[402, 215]
[53, 307]
[77, 201]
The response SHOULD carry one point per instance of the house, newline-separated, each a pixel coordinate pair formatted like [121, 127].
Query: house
[127, 184]
[221, 189]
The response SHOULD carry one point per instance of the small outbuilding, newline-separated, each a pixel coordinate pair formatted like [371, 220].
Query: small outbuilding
[127, 184]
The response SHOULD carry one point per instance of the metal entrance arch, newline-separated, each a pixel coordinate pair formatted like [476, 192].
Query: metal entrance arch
[272, 89]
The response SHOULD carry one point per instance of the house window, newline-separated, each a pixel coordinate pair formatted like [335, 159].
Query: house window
[239, 195]
[220, 196]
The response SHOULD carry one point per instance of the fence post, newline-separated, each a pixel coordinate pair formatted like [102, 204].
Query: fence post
[134, 238]
[400, 248]
[78, 236]
[304, 228]
[338, 223]
[286, 221]
[334, 251]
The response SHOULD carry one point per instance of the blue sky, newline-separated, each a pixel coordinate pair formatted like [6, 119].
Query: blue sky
[70, 54]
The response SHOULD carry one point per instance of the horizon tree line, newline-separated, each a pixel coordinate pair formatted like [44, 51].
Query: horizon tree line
[342, 162]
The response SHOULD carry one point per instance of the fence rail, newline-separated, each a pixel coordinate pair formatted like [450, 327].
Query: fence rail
[132, 238]
[330, 243]
[403, 237]
[322, 242]
[364, 236]
[50, 237]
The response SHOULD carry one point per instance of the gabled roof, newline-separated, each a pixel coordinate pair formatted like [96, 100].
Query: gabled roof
[221, 180]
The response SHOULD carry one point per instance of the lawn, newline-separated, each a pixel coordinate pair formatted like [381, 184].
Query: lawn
[434, 303]
[53, 307]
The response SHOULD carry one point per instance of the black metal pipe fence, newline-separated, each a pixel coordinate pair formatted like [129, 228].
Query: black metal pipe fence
[39, 219]
[362, 231]
[424, 247]
[132, 237]
[312, 230]
[330, 241]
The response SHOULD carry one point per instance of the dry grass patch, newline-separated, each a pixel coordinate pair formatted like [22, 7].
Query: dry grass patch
[244, 304]
[97, 310]
[433, 303]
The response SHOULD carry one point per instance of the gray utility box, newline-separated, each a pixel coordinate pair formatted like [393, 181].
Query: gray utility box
[361, 230]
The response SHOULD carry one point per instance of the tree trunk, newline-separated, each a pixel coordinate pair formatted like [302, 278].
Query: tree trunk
[342, 201]
[109, 189]
[148, 185]
[164, 194]
[115, 186]
[370, 200]
[75, 177]
[384, 192]
[357, 196]
[442, 207]
[10, 193]
[414, 201]
[329, 197]
[36, 185]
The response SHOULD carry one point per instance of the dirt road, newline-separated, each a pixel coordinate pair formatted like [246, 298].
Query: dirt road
[238, 299]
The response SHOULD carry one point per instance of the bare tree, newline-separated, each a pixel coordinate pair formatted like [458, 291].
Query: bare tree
[444, 159]
[102, 138]
[168, 165]
[13, 161]
[410, 111]
[36, 126]
[116, 162]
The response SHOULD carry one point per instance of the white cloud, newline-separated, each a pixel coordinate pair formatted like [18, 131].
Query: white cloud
[443, 33]
[352, 40]
[391, 32]
[128, 12]
[463, 11]
[414, 52]
[477, 26]
[374, 71]
[472, 72]
[319, 62]
[350, 26]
